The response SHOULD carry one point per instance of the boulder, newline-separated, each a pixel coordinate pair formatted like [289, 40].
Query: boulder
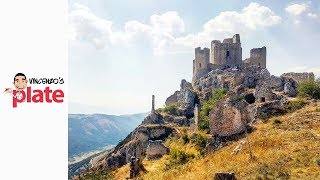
[290, 87]
[276, 83]
[156, 149]
[224, 176]
[229, 117]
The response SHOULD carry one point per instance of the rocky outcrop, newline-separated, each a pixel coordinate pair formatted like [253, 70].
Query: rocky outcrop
[263, 93]
[173, 99]
[228, 117]
[136, 143]
[156, 150]
[267, 109]
[185, 98]
[290, 87]
[177, 120]
[153, 118]
[276, 83]
[298, 77]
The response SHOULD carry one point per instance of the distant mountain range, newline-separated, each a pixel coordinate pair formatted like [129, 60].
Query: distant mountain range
[89, 132]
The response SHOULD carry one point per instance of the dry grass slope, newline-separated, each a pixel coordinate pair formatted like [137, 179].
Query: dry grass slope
[285, 147]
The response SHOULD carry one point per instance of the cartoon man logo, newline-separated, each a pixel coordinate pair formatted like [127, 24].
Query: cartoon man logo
[20, 83]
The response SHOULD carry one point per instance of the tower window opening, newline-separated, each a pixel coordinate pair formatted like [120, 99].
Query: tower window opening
[200, 65]
[228, 53]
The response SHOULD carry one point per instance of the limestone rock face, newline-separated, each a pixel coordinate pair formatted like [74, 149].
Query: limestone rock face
[173, 99]
[276, 83]
[228, 117]
[156, 150]
[264, 74]
[136, 143]
[153, 118]
[185, 98]
[177, 120]
[263, 92]
[290, 87]
[267, 109]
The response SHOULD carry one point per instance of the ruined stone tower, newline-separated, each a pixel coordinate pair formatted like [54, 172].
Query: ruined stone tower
[225, 54]
[258, 57]
[201, 62]
[228, 53]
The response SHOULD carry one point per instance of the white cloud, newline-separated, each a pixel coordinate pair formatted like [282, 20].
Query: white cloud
[164, 30]
[313, 15]
[86, 26]
[296, 9]
[252, 18]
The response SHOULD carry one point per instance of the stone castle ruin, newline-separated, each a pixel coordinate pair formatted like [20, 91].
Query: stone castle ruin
[227, 54]
[252, 93]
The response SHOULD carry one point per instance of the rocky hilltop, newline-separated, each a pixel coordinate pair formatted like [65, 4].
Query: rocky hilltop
[220, 106]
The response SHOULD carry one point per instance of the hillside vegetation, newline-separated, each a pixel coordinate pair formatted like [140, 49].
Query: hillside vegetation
[283, 147]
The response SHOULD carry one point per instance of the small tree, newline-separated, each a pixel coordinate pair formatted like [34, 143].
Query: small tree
[309, 88]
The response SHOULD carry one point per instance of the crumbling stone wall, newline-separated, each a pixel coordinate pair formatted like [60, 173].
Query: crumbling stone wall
[227, 53]
[299, 76]
[258, 57]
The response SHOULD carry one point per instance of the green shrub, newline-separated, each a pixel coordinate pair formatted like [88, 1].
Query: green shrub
[204, 124]
[207, 106]
[276, 121]
[171, 109]
[178, 157]
[200, 142]
[309, 88]
[295, 105]
[185, 138]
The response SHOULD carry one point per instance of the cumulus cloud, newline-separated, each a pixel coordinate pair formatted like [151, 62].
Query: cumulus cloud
[296, 9]
[86, 26]
[302, 12]
[164, 31]
[251, 18]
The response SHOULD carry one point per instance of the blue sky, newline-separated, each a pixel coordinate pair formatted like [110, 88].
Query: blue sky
[122, 52]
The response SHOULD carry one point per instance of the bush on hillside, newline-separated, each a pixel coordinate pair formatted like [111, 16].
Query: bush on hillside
[171, 109]
[207, 106]
[295, 105]
[200, 141]
[178, 157]
[309, 88]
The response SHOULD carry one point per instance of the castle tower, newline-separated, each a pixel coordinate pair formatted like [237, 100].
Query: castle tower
[258, 57]
[228, 53]
[201, 63]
